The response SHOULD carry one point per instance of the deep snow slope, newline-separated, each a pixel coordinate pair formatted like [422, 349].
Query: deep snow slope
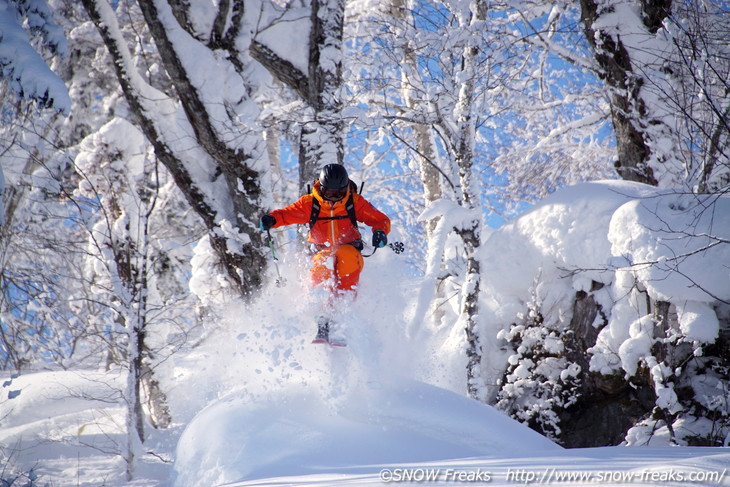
[364, 433]
[320, 429]
[67, 427]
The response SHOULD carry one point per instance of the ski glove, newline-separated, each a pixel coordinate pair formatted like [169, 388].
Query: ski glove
[380, 239]
[267, 221]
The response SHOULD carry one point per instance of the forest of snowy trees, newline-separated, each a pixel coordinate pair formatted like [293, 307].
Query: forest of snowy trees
[142, 141]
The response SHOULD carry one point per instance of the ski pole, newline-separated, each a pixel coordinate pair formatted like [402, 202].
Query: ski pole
[279, 280]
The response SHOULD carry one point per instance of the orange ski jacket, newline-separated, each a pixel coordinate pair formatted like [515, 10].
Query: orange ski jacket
[335, 232]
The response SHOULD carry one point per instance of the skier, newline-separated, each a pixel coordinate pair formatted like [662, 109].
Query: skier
[332, 211]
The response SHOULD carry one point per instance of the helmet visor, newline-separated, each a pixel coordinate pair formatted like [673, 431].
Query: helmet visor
[334, 194]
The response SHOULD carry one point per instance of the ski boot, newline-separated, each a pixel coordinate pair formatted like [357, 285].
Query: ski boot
[323, 330]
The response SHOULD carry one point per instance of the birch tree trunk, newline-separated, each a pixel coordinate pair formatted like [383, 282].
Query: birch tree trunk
[631, 63]
[322, 138]
[133, 396]
[470, 229]
[411, 89]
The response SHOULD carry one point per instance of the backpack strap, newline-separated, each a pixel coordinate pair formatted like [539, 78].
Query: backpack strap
[314, 216]
[350, 207]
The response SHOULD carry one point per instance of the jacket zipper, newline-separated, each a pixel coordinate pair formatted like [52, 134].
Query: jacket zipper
[332, 224]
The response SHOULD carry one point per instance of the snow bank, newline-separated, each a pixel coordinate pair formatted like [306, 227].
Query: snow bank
[630, 246]
[565, 230]
[59, 424]
[677, 244]
[619, 233]
[557, 248]
[40, 396]
[300, 430]
[671, 247]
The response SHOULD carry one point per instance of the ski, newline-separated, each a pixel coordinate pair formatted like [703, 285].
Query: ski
[331, 342]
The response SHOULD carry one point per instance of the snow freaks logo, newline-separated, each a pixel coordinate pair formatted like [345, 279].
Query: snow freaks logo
[418, 475]
[548, 476]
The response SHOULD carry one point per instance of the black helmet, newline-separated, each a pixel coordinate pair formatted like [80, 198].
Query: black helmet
[333, 176]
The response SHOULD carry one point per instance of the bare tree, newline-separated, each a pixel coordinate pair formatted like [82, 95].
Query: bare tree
[116, 168]
[628, 57]
[321, 125]
[699, 69]
[226, 193]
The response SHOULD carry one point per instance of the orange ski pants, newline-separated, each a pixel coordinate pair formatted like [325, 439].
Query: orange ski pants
[340, 266]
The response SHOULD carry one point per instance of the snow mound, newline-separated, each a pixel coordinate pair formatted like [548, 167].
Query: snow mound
[302, 430]
[567, 230]
[676, 244]
[60, 424]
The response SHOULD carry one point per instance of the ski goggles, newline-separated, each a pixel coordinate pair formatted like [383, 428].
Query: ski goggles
[334, 194]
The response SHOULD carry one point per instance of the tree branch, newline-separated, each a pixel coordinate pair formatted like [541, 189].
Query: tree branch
[281, 69]
[178, 171]
[194, 107]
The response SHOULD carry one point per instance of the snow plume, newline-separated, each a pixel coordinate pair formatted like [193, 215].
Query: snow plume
[273, 332]
[207, 282]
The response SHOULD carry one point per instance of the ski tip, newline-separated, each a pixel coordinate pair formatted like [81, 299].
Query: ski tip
[338, 344]
[319, 341]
